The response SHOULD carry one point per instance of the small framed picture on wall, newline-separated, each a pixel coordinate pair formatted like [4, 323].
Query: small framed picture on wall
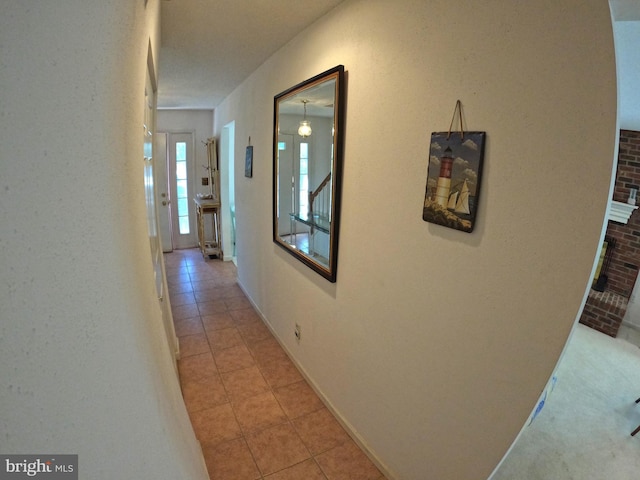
[453, 179]
[248, 162]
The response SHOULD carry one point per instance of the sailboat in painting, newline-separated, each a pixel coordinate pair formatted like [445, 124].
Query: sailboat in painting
[459, 200]
[462, 206]
[453, 198]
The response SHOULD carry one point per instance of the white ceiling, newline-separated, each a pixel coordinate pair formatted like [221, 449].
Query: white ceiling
[208, 47]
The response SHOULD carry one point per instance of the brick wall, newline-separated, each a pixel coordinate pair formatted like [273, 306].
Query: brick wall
[605, 312]
[623, 270]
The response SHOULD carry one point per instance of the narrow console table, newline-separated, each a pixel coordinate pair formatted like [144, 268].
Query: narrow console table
[210, 242]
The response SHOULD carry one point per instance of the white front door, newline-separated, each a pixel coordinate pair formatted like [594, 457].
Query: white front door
[288, 168]
[181, 172]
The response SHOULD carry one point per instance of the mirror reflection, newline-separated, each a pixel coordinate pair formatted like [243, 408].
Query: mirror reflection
[307, 167]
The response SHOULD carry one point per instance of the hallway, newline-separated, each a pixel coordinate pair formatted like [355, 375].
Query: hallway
[253, 413]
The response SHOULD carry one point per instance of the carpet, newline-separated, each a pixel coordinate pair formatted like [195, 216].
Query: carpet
[583, 431]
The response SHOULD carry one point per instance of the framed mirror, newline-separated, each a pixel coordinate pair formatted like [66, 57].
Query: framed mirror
[308, 130]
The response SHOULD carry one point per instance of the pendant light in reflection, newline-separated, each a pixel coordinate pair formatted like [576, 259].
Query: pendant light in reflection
[304, 130]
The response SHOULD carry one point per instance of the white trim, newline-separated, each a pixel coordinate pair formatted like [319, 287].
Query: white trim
[620, 212]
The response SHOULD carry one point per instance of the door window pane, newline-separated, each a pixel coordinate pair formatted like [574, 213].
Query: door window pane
[184, 225]
[181, 170]
[182, 188]
[181, 152]
[304, 179]
[183, 204]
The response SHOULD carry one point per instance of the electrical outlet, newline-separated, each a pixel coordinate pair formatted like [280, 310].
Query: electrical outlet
[298, 332]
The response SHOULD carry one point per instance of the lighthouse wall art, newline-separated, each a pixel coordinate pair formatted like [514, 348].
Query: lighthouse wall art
[453, 179]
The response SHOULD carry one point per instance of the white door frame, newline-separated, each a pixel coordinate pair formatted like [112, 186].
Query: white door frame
[178, 240]
[152, 213]
[227, 189]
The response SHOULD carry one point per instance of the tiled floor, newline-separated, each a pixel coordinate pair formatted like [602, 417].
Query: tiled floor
[254, 414]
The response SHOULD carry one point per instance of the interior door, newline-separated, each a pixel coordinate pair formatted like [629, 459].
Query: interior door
[157, 259]
[181, 171]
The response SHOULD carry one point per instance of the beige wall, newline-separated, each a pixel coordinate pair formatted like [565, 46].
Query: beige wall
[84, 360]
[434, 344]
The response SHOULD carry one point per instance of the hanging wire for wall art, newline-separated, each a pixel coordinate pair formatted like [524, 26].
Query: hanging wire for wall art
[453, 177]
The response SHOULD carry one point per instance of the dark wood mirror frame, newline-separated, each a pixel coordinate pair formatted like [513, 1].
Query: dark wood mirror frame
[307, 170]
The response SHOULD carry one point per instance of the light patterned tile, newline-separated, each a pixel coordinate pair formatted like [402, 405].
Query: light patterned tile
[196, 367]
[203, 285]
[227, 268]
[267, 350]
[280, 372]
[277, 448]
[173, 264]
[253, 430]
[210, 308]
[244, 383]
[258, 412]
[307, 470]
[218, 321]
[181, 288]
[201, 275]
[202, 393]
[347, 462]
[185, 311]
[254, 332]
[320, 431]
[207, 295]
[237, 303]
[188, 326]
[203, 267]
[179, 277]
[224, 338]
[298, 399]
[225, 280]
[185, 298]
[233, 358]
[230, 461]
[230, 291]
[216, 424]
[193, 345]
[244, 316]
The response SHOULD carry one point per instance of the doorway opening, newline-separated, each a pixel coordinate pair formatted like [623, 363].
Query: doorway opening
[227, 148]
[175, 174]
